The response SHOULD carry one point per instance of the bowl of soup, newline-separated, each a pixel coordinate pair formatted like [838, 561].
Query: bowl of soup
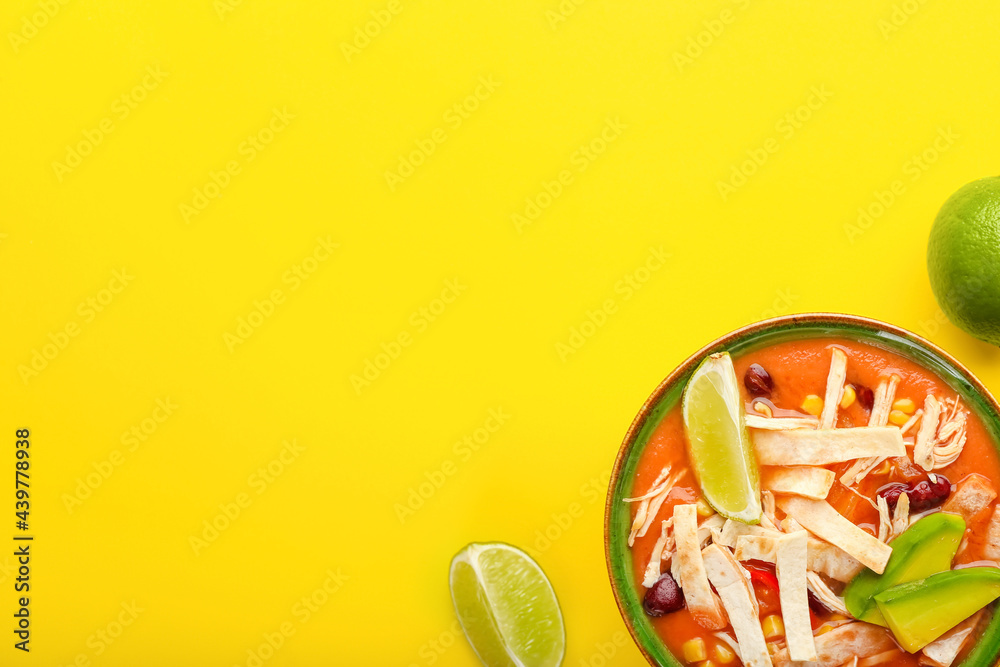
[869, 460]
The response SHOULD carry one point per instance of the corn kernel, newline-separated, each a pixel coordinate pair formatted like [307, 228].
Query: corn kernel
[884, 468]
[905, 405]
[773, 627]
[898, 417]
[813, 405]
[763, 408]
[838, 617]
[704, 509]
[707, 663]
[694, 650]
[724, 654]
[850, 395]
[823, 629]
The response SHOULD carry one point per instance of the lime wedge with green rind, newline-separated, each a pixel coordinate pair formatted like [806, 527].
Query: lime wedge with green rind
[507, 607]
[718, 443]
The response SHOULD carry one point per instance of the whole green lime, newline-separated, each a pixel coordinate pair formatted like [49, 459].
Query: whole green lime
[963, 258]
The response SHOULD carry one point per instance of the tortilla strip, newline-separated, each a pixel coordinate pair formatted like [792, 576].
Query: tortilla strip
[737, 596]
[733, 530]
[794, 595]
[757, 547]
[834, 389]
[653, 572]
[880, 658]
[806, 447]
[822, 520]
[780, 423]
[749, 579]
[768, 518]
[942, 651]
[972, 495]
[885, 396]
[992, 549]
[841, 644]
[832, 561]
[701, 601]
[826, 595]
[821, 556]
[807, 481]
[923, 450]
[790, 525]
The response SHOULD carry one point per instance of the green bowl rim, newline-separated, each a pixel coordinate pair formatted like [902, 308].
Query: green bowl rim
[988, 407]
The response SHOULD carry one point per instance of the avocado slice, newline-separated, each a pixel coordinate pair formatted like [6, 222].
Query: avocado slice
[921, 611]
[925, 548]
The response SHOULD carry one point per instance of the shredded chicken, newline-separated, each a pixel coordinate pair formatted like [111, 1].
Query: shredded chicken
[709, 528]
[951, 437]
[923, 450]
[892, 526]
[900, 517]
[943, 650]
[643, 500]
[941, 437]
[851, 640]
[825, 594]
[884, 521]
[651, 501]
[661, 550]
[912, 421]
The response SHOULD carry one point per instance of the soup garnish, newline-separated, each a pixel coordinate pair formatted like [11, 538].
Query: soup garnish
[839, 538]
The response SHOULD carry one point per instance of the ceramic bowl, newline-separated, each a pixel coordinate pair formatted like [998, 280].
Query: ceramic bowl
[762, 334]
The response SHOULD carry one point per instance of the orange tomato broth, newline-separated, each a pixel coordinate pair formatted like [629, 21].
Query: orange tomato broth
[800, 368]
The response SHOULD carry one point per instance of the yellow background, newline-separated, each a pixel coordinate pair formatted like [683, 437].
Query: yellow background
[894, 76]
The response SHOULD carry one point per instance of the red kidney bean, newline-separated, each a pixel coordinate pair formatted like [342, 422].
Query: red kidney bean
[866, 397]
[664, 597]
[892, 492]
[758, 381]
[817, 606]
[927, 494]
[923, 495]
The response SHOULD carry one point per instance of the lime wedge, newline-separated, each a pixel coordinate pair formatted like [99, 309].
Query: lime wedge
[718, 443]
[507, 607]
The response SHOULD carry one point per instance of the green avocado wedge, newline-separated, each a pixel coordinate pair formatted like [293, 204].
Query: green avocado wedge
[925, 548]
[921, 611]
